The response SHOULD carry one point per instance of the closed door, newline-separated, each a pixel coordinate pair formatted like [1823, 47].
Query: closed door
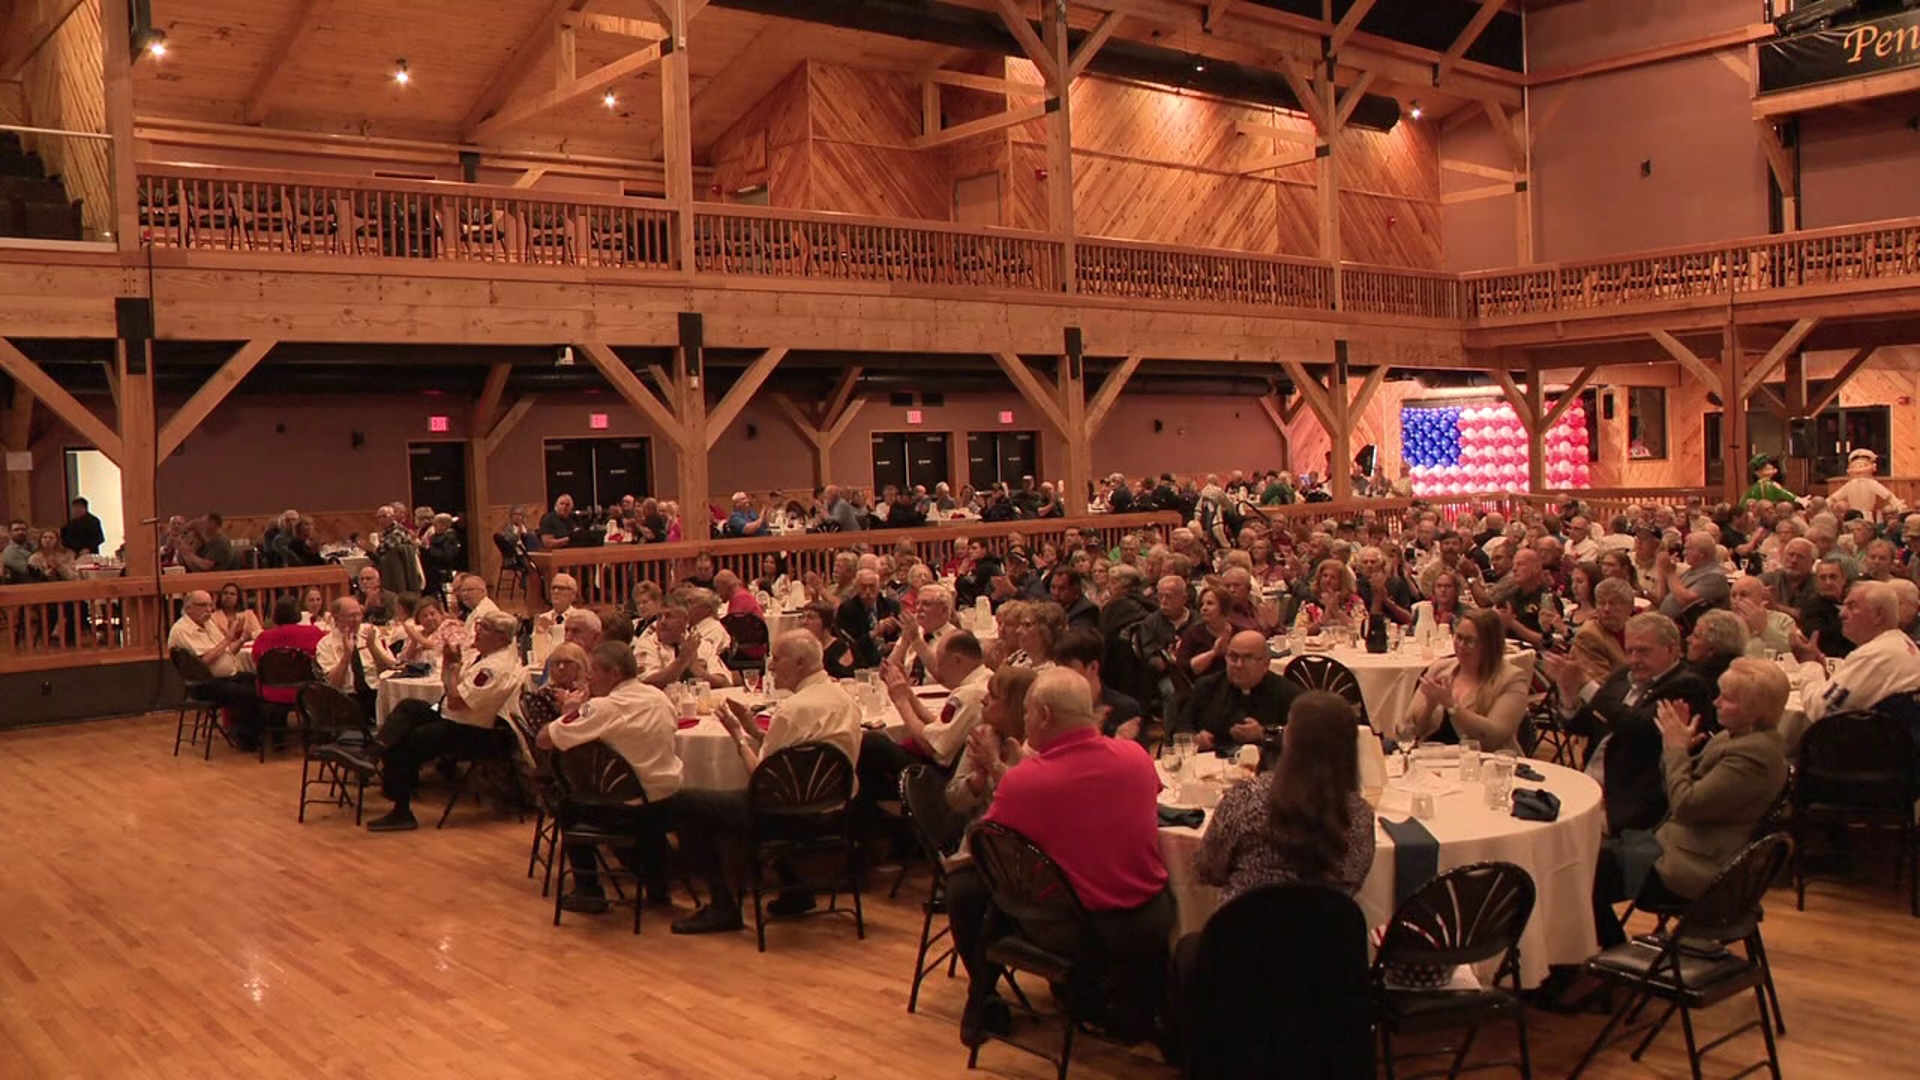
[621, 468]
[995, 456]
[976, 199]
[927, 462]
[569, 468]
[437, 476]
[889, 459]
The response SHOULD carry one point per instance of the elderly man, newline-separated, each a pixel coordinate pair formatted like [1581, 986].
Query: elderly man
[471, 591]
[913, 652]
[816, 711]
[1792, 582]
[584, 630]
[668, 651]
[395, 551]
[352, 655]
[1384, 594]
[637, 722]
[1090, 803]
[1240, 704]
[958, 664]
[562, 589]
[230, 688]
[1907, 592]
[839, 511]
[735, 597]
[703, 609]
[1523, 596]
[1160, 632]
[1883, 662]
[376, 603]
[1769, 632]
[1599, 645]
[868, 619]
[1617, 717]
[743, 521]
[556, 526]
[212, 551]
[476, 693]
[1700, 581]
[1833, 576]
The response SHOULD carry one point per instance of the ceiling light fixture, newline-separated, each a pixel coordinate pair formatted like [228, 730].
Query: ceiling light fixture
[1199, 66]
[1416, 112]
[400, 73]
[609, 100]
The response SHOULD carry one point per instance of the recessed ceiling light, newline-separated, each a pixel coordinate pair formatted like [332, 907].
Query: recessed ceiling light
[400, 73]
[609, 100]
[1416, 112]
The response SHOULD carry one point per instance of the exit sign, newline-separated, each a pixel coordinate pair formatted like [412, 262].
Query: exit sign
[439, 425]
[1006, 416]
[597, 421]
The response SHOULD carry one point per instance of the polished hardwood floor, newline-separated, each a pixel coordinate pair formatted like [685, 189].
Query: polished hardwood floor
[168, 918]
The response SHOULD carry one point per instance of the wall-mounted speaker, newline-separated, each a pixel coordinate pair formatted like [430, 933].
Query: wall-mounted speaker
[1158, 427]
[1606, 404]
[359, 440]
[753, 431]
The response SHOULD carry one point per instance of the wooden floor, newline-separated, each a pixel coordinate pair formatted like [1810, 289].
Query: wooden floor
[168, 918]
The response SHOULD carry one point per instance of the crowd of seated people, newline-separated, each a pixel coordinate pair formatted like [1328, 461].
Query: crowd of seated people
[1665, 636]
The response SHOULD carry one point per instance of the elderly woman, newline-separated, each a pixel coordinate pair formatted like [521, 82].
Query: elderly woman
[430, 632]
[836, 653]
[1715, 798]
[1045, 622]
[563, 687]
[644, 605]
[1599, 645]
[1473, 694]
[1717, 639]
[1335, 604]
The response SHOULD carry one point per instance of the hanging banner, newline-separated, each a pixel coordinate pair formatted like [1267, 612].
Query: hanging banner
[1844, 52]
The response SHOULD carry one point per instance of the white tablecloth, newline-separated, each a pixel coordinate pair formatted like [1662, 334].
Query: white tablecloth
[394, 689]
[709, 760]
[1560, 855]
[1389, 680]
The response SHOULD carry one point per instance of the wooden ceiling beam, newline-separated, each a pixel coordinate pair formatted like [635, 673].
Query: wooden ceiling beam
[1278, 161]
[22, 46]
[1475, 27]
[519, 64]
[1040, 397]
[492, 440]
[260, 97]
[628, 386]
[1030, 42]
[33, 379]
[987, 84]
[1831, 393]
[980, 127]
[1343, 30]
[1109, 393]
[1691, 361]
[1777, 355]
[208, 398]
[737, 396]
[593, 22]
[1350, 100]
[491, 395]
[1091, 45]
[1568, 396]
[586, 85]
[1265, 131]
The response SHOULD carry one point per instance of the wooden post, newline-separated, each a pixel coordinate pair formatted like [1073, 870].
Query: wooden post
[690, 402]
[482, 558]
[16, 436]
[1329, 191]
[1794, 471]
[824, 428]
[1072, 382]
[1060, 151]
[1733, 427]
[139, 506]
[117, 67]
[676, 118]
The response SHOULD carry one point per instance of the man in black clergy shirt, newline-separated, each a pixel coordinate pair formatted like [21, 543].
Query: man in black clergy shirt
[1241, 704]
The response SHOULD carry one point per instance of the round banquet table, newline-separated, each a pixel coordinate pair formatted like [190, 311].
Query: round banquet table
[1560, 855]
[394, 689]
[1389, 680]
[708, 759]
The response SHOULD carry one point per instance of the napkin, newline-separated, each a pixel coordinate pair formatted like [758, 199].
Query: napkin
[1416, 856]
[1524, 771]
[686, 722]
[1182, 819]
[1536, 804]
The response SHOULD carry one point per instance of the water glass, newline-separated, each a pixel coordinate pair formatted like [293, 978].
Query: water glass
[1497, 783]
[1183, 742]
[755, 681]
[1170, 761]
[1423, 805]
[1469, 760]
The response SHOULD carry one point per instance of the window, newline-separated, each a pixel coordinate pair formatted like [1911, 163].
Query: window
[1590, 404]
[1647, 423]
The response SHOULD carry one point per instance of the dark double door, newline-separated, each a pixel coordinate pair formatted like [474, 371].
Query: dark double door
[907, 459]
[996, 456]
[598, 472]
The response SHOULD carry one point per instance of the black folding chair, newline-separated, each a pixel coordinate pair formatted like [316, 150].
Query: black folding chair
[1279, 987]
[797, 810]
[595, 775]
[203, 714]
[544, 785]
[750, 642]
[496, 753]
[285, 668]
[338, 749]
[1468, 915]
[1691, 967]
[513, 568]
[936, 832]
[1036, 925]
[1314, 671]
[1541, 728]
[1856, 768]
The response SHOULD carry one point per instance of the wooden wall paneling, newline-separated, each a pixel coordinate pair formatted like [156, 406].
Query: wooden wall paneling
[880, 108]
[767, 144]
[1391, 232]
[1139, 201]
[880, 182]
[62, 87]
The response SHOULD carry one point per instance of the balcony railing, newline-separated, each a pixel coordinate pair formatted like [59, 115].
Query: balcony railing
[207, 209]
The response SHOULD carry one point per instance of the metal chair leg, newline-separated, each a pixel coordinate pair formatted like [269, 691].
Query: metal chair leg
[1600, 1042]
[1773, 1051]
[1693, 1051]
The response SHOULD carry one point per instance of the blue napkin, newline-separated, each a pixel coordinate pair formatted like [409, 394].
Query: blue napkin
[1184, 819]
[1536, 804]
[1523, 771]
[1416, 856]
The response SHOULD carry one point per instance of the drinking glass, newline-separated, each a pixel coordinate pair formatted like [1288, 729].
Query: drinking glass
[1183, 743]
[1170, 761]
[1469, 760]
[1497, 782]
[755, 680]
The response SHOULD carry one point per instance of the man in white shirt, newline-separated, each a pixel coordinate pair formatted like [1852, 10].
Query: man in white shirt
[711, 821]
[230, 688]
[561, 590]
[478, 691]
[352, 655]
[471, 591]
[703, 608]
[637, 722]
[1884, 662]
[960, 666]
[668, 652]
[932, 620]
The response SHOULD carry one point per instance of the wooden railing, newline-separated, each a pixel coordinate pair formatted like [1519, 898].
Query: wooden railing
[1156, 272]
[125, 620]
[218, 209]
[242, 210]
[607, 575]
[1601, 504]
[1842, 255]
[1393, 511]
[751, 242]
[1373, 290]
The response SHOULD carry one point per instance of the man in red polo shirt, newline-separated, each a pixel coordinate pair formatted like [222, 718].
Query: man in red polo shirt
[285, 633]
[1091, 803]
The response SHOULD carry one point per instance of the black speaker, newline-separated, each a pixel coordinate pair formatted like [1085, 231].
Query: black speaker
[133, 323]
[693, 337]
[933, 398]
[1606, 405]
[900, 401]
[1076, 352]
[1798, 444]
[469, 167]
